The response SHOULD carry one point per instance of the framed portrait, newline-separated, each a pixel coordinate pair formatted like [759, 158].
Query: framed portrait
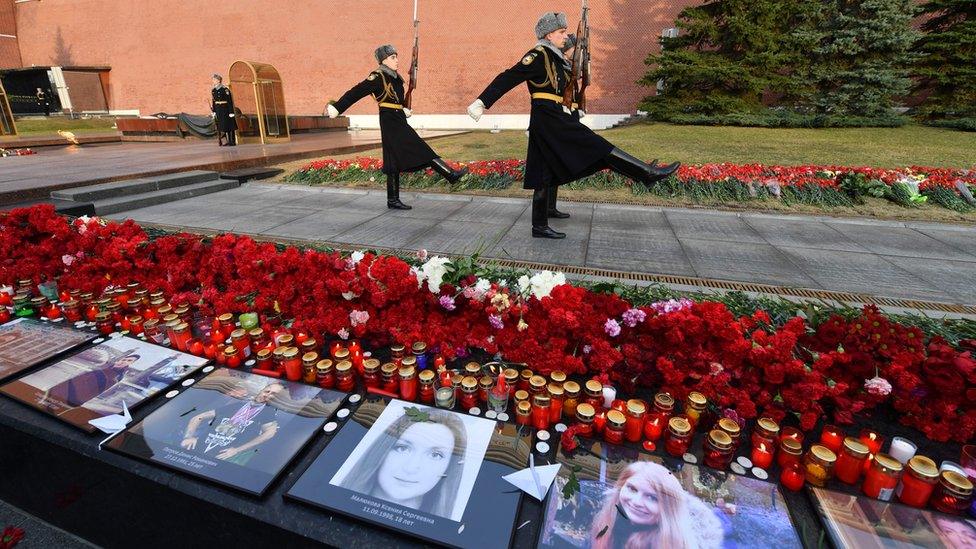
[608, 496]
[25, 343]
[427, 472]
[862, 522]
[234, 428]
[94, 382]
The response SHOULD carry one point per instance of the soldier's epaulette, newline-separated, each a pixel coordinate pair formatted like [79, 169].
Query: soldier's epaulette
[530, 57]
[372, 75]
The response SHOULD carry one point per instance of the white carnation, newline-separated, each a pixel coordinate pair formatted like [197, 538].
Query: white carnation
[433, 272]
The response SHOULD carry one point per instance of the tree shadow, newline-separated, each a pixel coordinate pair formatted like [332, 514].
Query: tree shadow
[62, 52]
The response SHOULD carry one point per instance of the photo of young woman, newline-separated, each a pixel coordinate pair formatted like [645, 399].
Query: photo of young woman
[648, 508]
[417, 457]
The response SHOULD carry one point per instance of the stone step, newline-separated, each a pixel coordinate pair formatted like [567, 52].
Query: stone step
[247, 174]
[152, 198]
[65, 207]
[134, 186]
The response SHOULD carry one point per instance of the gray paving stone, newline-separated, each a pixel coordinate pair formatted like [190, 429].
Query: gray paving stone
[319, 200]
[802, 233]
[430, 208]
[712, 226]
[385, 231]
[862, 273]
[463, 237]
[900, 241]
[490, 211]
[629, 218]
[957, 278]
[258, 221]
[628, 251]
[323, 224]
[743, 261]
[964, 241]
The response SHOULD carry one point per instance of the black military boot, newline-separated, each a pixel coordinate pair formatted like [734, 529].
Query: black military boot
[232, 138]
[393, 193]
[540, 219]
[450, 175]
[552, 212]
[634, 168]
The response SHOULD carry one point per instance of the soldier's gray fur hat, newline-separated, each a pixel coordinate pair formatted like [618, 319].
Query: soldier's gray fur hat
[550, 21]
[218, 77]
[383, 52]
[570, 43]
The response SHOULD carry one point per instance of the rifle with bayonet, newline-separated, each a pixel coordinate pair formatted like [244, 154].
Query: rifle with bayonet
[412, 85]
[575, 92]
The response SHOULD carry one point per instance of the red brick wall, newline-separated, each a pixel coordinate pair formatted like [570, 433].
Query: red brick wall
[9, 51]
[163, 52]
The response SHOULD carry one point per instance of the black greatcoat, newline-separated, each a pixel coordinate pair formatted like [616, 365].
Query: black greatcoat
[403, 149]
[223, 107]
[561, 148]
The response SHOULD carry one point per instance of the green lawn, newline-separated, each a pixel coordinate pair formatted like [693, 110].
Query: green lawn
[35, 127]
[881, 147]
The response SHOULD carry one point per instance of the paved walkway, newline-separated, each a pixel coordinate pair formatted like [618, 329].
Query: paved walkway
[35, 176]
[917, 261]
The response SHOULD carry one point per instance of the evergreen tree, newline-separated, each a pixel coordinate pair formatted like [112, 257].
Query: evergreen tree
[947, 60]
[728, 55]
[861, 53]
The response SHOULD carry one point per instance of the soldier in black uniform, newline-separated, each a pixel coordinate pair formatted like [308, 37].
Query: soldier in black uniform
[223, 111]
[403, 149]
[561, 149]
[43, 102]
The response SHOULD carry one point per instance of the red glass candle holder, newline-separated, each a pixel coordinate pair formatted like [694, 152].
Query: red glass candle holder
[762, 455]
[833, 438]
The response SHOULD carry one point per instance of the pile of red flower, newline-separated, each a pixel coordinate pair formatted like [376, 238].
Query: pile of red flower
[746, 366]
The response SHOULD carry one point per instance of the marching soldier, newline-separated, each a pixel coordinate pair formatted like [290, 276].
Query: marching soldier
[223, 111]
[43, 102]
[403, 149]
[561, 149]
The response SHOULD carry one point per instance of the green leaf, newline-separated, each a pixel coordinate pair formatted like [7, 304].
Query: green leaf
[572, 486]
[416, 415]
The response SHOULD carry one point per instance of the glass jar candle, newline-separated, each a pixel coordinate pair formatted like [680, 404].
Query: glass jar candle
[523, 413]
[135, 324]
[678, 437]
[540, 411]
[593, 394]
[469, 392]
[485, 383]
[239, 339]
[881, 480]
[584, 418]
[521, 396]
[918, 482]
[850, 462]
[258, 340]
[556, 400]
[872, 439]
[664, 405]
[23, 308]
[524, 377]
[71, 310]
[150, 329]
[183, 311]
[790, 451]
[613, 433]
[262, 360]
[408, 360]
[762, 455]
[634, 429]
[719, 451]
[116, 311]
[309, 362]
[953, 494]
[39, 305]
[794, 433]
[766, 430]
[396, 351]
[163, 311]
[324, 376]
[104, 324]
[444, 398]
[695, 406]
[371, 373]
[571, 395]
[427, 381]
[420, 354]
[456, 380]
[225, 323]
[232, 357]
[732, 429]
[278, 358]
[181, 337]
[833, 438]
[133, 305]
[473, 369]
[511, 379]
[408, 383]
[654, 426]
[537, 385]
[793, 477]
[292, 363]
[345, 377]
[388, 377]
[818, 465]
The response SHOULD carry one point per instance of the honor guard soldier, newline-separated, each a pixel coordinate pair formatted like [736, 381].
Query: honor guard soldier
[43, 102]
[223, 111]
[403, 149]
[561, 149]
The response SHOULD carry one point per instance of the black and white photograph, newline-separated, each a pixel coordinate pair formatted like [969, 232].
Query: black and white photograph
[95, 382]
[232, 427]
[25, 343]
[620, 498]
[432, 473]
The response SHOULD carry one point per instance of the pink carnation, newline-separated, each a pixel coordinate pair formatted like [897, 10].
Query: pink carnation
[877, 386]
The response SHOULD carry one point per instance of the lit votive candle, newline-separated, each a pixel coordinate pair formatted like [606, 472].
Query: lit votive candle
[762, 456]
[832, 437]
[609, 394]
[902, 449]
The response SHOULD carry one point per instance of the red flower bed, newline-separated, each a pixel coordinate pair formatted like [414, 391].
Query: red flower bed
[839, 368]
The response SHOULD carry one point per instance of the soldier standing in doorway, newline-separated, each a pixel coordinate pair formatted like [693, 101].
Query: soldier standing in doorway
[222, 107]
[561, 149]
[403, 149]
[43, 102]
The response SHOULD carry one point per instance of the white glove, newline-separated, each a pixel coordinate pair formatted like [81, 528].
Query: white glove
[231, 115]
[580, 113]
[407, 112]
[476, 109]
[331, 111]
